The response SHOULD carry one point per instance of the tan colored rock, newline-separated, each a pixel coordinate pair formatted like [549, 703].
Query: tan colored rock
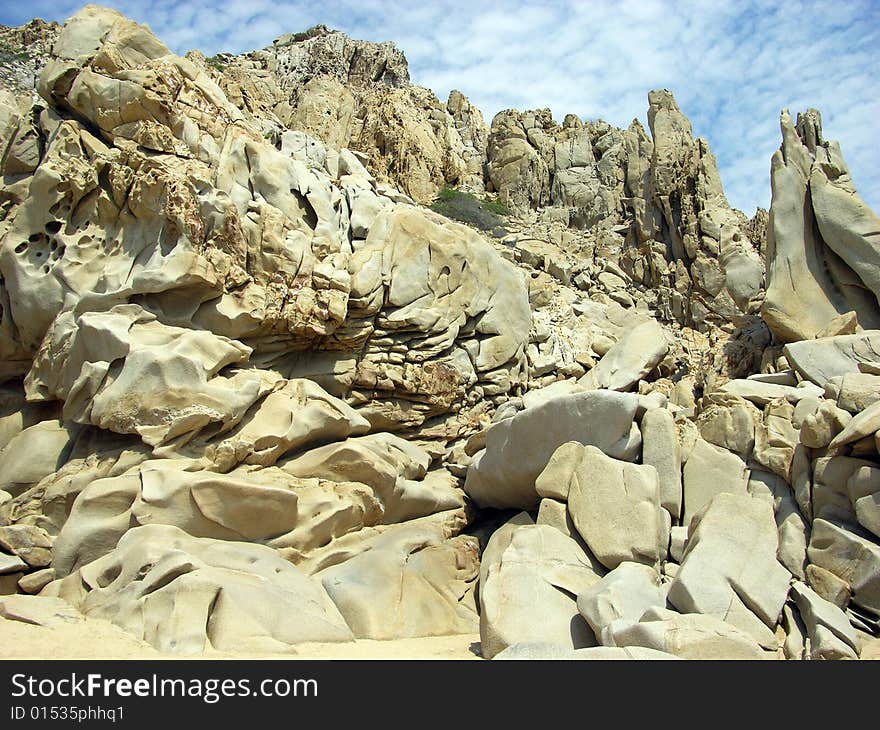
[851, 557]
[529, 577]
[729, 421]
[531, 650]
[33, 583]
[776, 438]
[184, 594]
[828, 629]
[687, 636]
[410, 582]
[829, 586]
[519, 448]
[819, 428]
[709, 471]
[820, 360]
[809, 281]
[31, 544]
[662, 450]
[35, 453]
[621, 596]
[616, 509]
[791, 526]
[730, 569]
[630, 359]
[863, 425]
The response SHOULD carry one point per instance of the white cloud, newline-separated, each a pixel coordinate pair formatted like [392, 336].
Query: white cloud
[732, 66]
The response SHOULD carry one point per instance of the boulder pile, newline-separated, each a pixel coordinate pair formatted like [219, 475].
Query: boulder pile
[253, 394]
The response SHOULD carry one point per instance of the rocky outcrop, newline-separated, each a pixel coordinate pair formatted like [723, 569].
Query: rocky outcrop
[659, 197]
[23, 53]
[356, 94]
[821, 254]
[198, 332]
[252, 395]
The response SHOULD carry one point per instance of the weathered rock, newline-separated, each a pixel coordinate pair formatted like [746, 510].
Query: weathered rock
[730, 569]
[795, 633]
[35, 453]
[762, 393]
[858, 391]
[518, 448]
[42, 611]
[555, 514]
[791, 526]
[819, 428]
[829, 357]
[828, 629]
[729, 421]
[410, 582]
[852, 558]
[865, 424]
[616, 508]
[687, 636]
[530, 577]
[661, 449]
[630, 359]
[828, 586]
[33, 583]
[184, 594]
[545, 650]
[776, 438]
[623, 595]
[812, 279]
[31, 544]
[11, 564]
[710, 470]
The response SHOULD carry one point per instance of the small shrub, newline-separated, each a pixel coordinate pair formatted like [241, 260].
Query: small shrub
[217, 63]
[483, 214]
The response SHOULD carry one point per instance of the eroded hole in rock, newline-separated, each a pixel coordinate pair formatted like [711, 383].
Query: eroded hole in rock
[445, 271]
[21, 248]
[34, 237]
[53, 227]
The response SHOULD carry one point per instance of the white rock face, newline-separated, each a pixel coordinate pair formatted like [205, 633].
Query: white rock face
[730, 569]
[615, 507]
[622, 596]
[530, 577]
[687, 636]
[244, 379]
[518, 449]
[820, 264]
[159, 580]
[709, 471]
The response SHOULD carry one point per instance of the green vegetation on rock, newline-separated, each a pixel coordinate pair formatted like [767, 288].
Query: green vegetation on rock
[487, 215]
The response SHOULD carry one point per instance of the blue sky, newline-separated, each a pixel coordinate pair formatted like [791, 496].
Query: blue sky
[732, 65]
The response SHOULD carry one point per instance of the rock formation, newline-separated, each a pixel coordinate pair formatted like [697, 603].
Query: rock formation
[245, 376]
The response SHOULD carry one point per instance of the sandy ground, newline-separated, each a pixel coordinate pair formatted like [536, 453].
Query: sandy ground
[94, 639]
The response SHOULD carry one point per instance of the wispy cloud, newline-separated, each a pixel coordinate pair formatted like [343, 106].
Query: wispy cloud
[732, 66]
